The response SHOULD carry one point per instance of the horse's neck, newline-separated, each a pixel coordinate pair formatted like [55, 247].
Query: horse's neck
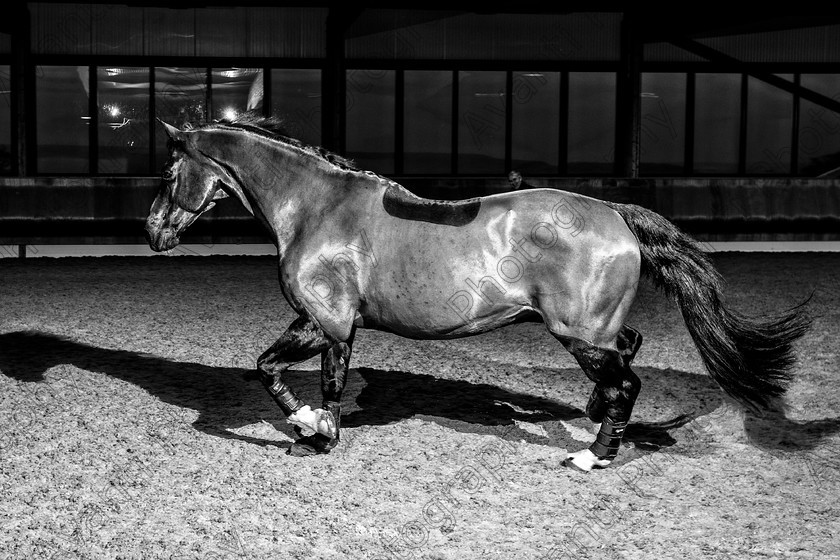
[287, 188]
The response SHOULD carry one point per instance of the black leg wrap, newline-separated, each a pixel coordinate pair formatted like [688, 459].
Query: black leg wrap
[629, 340]
[608, 441]
[285, 398]
[596, 408]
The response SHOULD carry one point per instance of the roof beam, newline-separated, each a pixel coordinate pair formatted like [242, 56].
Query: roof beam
[716, 56]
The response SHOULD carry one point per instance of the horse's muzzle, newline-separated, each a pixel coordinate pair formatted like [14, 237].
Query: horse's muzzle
[160, 239]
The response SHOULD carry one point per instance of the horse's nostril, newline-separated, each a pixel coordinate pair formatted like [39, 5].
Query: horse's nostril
[150, 230]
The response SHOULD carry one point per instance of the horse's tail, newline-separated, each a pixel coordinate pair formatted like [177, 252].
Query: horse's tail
[749, 358]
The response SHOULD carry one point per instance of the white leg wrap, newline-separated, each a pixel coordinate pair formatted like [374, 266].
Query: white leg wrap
[318, 420]
[585, 460]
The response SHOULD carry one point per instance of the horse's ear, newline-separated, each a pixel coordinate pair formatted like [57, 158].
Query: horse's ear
[171, 131]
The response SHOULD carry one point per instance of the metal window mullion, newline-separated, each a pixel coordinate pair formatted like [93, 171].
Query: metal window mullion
[208, 95]
[742, 138]
[454, 162]
[508, 120]
[399, 122]
[93, 121]
[563, 125]
[152, 120]
[690, 102]
[794, 133]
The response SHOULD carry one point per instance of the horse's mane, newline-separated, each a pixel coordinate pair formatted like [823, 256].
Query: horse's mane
[275, 129]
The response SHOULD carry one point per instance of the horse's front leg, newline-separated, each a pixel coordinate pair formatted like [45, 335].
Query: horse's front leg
[301, 341]
[335, 362]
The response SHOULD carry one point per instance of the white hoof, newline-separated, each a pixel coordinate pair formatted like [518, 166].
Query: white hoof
[585, 460]
[311, 421]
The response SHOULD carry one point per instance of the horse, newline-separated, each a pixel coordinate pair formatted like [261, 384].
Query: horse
[358, 250]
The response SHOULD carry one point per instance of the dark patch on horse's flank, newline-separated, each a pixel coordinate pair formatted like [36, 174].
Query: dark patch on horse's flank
[400, 203]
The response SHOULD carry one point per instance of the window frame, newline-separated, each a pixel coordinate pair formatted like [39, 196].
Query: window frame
[689, 70]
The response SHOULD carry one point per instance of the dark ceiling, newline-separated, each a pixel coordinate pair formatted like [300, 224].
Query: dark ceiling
[653, 22]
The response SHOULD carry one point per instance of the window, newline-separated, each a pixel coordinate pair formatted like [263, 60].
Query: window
[123, 101]
[236, 91]
[427, 136]
[591, 123]
[769, 126]
[449, 121]
[535, 121]
[370, 106]
[663, 124]
[296, 99]
[481, 122]
[181, 97]
[63, 119]
[717, 128]
[5, 120]
[819, 128]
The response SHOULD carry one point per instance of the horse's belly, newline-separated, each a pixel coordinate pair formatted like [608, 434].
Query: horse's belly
[452, 305]
[442, 322]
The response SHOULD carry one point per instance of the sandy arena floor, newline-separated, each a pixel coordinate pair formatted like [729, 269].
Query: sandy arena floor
[127, 430]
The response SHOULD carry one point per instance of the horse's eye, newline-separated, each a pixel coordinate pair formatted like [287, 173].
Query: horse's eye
[168, 174]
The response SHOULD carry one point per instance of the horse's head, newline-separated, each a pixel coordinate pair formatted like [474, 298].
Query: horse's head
[190, 182]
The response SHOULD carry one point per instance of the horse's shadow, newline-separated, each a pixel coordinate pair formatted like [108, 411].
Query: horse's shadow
[226, 402]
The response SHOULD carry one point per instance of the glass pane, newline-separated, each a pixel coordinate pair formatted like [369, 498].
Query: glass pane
[819, 128]
[717, 123]
[370, 119]
[235, 91]
[123, 120]
[296, 98]
[536, 122]
[63, 119]
[591, 123]
[769, 127]
[481, 122]
[180, 98]
[428, 122]
[663, 124]
[5, 120]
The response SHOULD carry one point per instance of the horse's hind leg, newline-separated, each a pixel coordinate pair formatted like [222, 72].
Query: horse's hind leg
[628, 342]
[612, 399]
[335, 362]
[301, 341]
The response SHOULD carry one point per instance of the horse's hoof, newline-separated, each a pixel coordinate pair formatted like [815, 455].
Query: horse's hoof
[569, 464]
[327, 425]
[585, 461]
[316, 444]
